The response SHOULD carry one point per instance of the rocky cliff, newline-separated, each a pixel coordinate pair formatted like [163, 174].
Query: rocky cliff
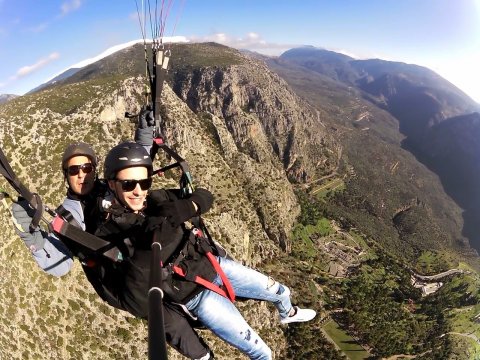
[265, 131]
[241, 147]
[363, 211]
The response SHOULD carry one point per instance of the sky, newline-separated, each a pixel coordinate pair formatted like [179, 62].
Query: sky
[41, 39]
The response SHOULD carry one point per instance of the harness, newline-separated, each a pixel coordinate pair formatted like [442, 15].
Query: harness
[64, 224]
[200, 242]
[62, 218]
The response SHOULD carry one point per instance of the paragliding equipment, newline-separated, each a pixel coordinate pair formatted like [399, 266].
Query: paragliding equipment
[155, 79]
[157, 348]
[60, 224]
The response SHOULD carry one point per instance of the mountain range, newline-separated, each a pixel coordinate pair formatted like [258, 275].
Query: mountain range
[6, 97]
[423, 103]
[343, 178]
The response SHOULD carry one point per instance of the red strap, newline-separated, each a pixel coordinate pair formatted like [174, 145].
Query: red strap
[226, 282]
[57, 224]
[229, 294]
[87, 240]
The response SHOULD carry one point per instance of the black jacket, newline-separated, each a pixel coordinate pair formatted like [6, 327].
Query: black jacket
[164, 215]
[124, 285]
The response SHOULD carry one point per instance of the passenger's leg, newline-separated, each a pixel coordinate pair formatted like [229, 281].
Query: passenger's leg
[222, 317]
[181, 336]
[251, 284]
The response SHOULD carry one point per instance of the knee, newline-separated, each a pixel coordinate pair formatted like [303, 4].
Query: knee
[275, 287]
[272, 285]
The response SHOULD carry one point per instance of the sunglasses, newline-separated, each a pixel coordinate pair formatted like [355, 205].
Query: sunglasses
[130, 185]
[75, 169]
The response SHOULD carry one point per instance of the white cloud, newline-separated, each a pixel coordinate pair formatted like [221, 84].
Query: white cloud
[133, 16]
[252, 41]
[70, 6]
[107, 52]
[24, 71]
[39, 28]
[113, 49]
[346, 52]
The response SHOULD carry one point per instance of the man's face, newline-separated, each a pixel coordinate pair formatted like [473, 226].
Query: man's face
[128, 190]
[80, 175]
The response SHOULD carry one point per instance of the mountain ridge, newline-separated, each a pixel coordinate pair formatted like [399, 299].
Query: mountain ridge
[420, 100]
[7, 97]
[269, 150]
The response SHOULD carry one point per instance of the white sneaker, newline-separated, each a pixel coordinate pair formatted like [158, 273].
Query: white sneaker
[300, 316]
[205, 357]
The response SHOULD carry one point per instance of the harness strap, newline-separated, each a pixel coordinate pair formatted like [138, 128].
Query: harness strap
[33, 199]
[200, 230]
[91, 242]
[37, 216]
[186, 181]
[67, 215]
[228, 293]
[225, 281]
[160, 65]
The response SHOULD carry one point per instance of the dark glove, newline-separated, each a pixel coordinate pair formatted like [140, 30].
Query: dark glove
[203, 198]
[154, 222]
[146, 119]
[123, 219]
[144, 130]
[128, 221]
[22, 215]
[177, 211]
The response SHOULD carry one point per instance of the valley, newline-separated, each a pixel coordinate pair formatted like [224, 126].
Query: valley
[312, 185]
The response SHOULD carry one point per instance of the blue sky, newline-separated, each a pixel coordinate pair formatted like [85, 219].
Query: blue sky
[40, 39]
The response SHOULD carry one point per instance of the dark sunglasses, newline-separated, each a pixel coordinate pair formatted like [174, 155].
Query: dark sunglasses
[75, 169]
[130, 185]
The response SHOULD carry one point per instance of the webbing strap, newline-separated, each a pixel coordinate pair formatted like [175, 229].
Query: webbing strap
[33, 199]
[67, 215]
[228, 293]
[160, 64]
[226, 282]
[91, 242]
[186, 179]
[7, 171]
[38, 212]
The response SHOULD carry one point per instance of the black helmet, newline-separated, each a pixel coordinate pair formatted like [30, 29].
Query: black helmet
[78, 149]
[126, 155]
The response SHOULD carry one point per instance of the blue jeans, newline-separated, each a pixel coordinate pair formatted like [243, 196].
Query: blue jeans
[251, 284]
[222, 317]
